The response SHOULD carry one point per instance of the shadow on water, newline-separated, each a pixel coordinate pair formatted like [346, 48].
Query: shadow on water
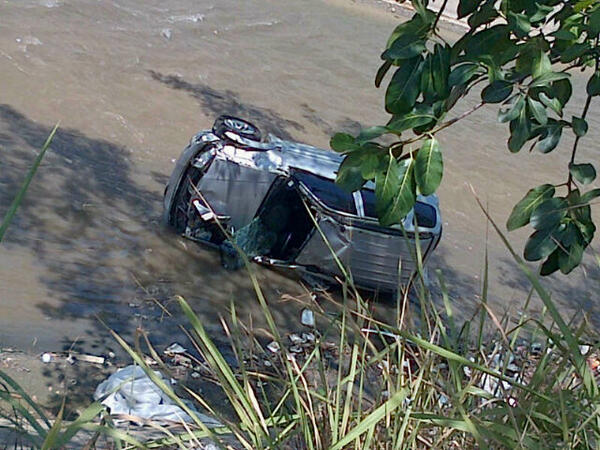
[228, 102]
[101, 253]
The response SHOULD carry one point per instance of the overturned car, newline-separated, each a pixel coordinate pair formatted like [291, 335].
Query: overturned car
[279, 201]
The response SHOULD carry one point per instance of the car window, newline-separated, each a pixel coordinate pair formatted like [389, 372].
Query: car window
[328, 192]
[424, 213]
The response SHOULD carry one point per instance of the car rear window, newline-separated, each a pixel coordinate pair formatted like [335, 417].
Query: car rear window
[328, 192]
[424, 213]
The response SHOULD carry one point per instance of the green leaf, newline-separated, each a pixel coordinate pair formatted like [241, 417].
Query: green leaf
[550, 137]
[440, 68]
[491, 41]
[549, 213]
[415, 26]
[403, 90]
[580, 126]
[538, 110]
[429, 167]
[567, 261]
[367, 134]
[547, 78]
[519, 23]
[519, 132]
[349, 175]
[568, 234]
[381, 72]
[343, 142]
[463, 73]
[593, 85]
[574, 51]
[539, 245]
[405, 47]
[512, 109]
[486, 14]
[594, 22]
[552, 103]
[497, 92]
[369, 165]
[563, 35]
[521, 213]
[590, 195]
[541, 13]
[466, 7]
[403, 200]
[419, 116]
[386, 185]
[562, 90]
[584, 173]
[551, 264]
[427, 87]
[541, 64]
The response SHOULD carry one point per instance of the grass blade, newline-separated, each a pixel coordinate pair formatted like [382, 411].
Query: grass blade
[8, 217]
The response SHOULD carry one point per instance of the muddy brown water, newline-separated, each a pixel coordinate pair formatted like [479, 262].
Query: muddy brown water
[130, 81]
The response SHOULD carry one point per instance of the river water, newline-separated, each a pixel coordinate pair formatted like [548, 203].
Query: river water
[130, 81]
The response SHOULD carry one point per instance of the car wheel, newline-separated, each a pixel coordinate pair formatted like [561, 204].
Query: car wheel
[240, 127]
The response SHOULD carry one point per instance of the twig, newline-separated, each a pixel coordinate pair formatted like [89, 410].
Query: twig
[576, 143]
[432, 132]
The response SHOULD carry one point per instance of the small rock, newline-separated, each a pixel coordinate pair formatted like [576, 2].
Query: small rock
[46, 358]
[166, 33]
[308, 318]
[111, 355]
[273, 347]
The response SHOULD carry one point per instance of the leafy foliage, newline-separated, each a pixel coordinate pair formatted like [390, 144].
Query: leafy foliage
[522, 53]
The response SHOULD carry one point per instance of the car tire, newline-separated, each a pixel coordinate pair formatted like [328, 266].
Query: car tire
[237, 126]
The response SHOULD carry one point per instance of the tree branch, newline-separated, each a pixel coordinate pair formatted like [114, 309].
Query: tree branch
[586, 108]
[434, 131]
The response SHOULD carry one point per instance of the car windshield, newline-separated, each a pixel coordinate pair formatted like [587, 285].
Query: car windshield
[327, 192]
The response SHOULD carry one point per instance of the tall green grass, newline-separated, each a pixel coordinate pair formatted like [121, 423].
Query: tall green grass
[439, 386]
